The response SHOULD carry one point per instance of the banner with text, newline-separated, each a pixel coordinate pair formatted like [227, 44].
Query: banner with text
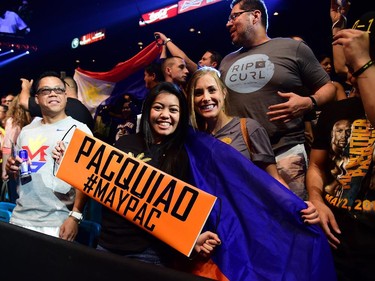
[174, 10]
[158, 15]
[168, 208]
[189, 5]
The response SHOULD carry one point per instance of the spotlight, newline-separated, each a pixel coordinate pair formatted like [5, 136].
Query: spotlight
[9, 60]
[5, 53]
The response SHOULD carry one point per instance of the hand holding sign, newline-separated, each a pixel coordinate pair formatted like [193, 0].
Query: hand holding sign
[166, 207]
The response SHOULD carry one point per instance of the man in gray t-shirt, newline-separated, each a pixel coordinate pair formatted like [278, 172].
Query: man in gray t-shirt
[268, 80]
[47, 204]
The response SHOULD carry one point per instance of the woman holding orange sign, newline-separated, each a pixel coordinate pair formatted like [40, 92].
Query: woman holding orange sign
[160, 144]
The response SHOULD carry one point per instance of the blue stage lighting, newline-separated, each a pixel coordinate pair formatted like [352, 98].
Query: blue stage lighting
[7, 61]
[5, 53]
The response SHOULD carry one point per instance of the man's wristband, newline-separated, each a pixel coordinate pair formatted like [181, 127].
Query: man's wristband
[78, 217]
[167, 40]
[315, 104]
[363, 68]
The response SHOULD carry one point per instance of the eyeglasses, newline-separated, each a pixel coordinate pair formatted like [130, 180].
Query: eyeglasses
[48, 91]
[233, 16]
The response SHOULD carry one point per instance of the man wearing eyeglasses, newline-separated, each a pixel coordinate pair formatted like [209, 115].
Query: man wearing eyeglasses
[47, 204]
[74, 107]
[274, 81]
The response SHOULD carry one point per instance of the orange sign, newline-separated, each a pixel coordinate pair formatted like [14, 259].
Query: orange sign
[166, 207]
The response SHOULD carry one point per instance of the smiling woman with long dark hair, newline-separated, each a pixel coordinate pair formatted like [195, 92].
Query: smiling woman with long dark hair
[160, 143]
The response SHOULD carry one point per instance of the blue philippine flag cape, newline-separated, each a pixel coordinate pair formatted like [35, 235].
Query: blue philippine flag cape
[257, 219]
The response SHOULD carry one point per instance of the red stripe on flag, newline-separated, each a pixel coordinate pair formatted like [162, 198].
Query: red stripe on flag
[123, 69]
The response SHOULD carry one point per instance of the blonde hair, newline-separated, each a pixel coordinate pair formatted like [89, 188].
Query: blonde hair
[196, 120]
[20, 117]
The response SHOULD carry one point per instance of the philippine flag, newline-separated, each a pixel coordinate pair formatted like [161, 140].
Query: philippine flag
[125, 77]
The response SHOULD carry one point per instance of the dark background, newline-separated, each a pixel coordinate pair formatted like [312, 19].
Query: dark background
[54, 25]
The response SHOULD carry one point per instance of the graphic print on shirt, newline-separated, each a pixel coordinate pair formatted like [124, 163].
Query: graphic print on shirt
[226, 140]
[352, 155]
[37, 152]
[249, 74]
[140, 156]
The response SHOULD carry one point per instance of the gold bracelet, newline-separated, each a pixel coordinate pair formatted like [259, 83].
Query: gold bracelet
[362, 69]
[167, 40]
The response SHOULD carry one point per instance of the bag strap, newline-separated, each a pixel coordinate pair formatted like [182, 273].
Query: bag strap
[245, 134]
[4, 193]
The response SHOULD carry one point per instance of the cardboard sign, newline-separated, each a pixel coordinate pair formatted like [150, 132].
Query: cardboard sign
[168, 208]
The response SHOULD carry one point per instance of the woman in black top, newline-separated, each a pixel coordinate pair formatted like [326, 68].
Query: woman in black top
[160, 143]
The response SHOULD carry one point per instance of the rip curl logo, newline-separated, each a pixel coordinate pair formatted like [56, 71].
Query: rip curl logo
[250, 74]
[37, 152]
